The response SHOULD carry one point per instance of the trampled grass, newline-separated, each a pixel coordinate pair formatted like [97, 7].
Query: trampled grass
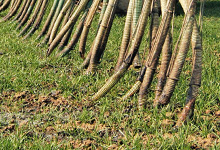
[43, 100]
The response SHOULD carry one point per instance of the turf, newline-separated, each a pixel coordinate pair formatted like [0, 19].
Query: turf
[43, 101]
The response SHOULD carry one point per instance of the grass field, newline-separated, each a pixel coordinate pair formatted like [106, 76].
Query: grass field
[43, 100]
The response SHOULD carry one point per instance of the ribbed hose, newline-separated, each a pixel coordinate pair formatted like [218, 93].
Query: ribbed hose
[58, 9]
[153, 30]
[24, 11]
[106, 36]
[166, 55]
[5, 5]
[21, 10]
[27, 14]
[165, 60]
[48, 21]
[65, 39]
[134, 46]
[154, 23]
[65, 29]
[14, 11]
[180, 59]
[59, 19]
[67, 36]
[195, 82]
[33, 18]
[133, 90]
[12, 6]
[85, 63]
[38, 19]
[126, 35]
[111, 82]
[68, 13]
[100, 35]
[87, 26]
[137, 11]
[154, 55]
[75, 37]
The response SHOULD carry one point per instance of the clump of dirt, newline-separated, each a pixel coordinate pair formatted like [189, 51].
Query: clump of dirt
[113, 146]
[20, 95]
[32, 103]
[204, 143]
[9, 128]
[197, 141]
[84, 144]
[167, 122]
[217, 113]
[208, 112]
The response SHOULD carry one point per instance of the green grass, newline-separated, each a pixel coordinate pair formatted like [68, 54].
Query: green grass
[29, 121]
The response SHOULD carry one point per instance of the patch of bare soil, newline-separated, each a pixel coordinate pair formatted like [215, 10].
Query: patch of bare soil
[51, 128]
[27, 105]
[197, 141]
[167, 122]
[33, 104]
[203, 143]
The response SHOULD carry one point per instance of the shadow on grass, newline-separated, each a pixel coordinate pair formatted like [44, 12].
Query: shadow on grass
[211, 7]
